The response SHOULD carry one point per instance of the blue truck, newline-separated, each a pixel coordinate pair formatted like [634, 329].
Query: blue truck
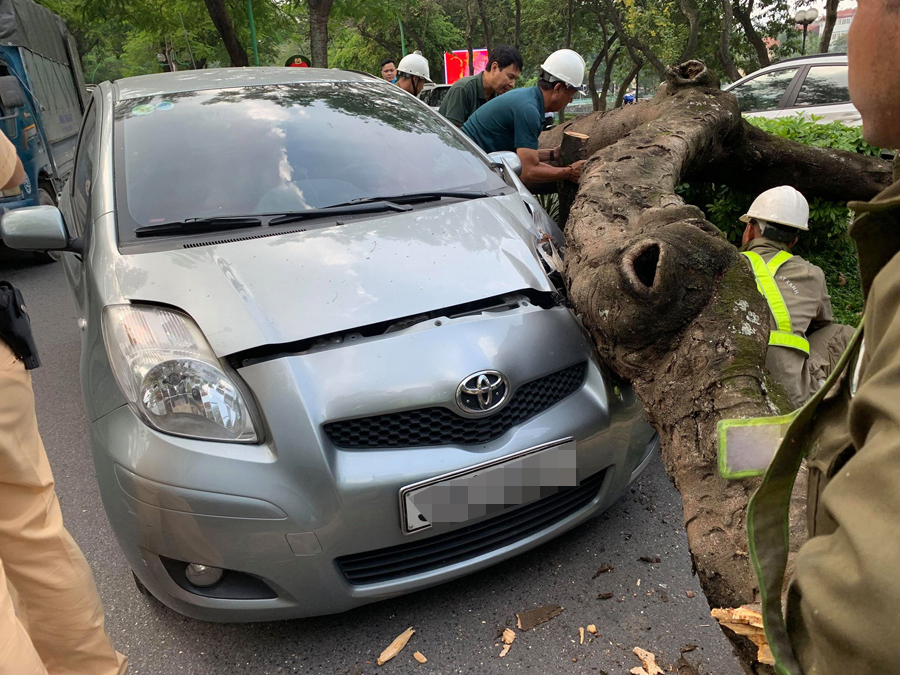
[42, 99]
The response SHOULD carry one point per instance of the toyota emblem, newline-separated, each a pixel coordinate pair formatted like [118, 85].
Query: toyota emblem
[483, 393]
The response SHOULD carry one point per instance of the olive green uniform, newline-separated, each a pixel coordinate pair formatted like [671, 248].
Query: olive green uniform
[802, 286]
[843, 603]
[463, 98]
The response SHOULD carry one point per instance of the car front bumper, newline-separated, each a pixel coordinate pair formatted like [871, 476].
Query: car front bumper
[289, 517]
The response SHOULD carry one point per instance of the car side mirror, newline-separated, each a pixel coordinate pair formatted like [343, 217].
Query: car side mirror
[508, 159]
[11, 94]
[37, 228]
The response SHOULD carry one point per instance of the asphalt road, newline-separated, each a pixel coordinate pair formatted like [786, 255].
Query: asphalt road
[456, 624]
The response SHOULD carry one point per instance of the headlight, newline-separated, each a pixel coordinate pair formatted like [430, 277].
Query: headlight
[171, 377]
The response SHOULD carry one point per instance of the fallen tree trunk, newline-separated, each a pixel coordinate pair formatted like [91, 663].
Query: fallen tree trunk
[668, 300]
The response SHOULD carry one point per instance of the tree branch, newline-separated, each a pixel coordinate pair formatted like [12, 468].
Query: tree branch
[724, 50]
[692, 14]
[831, 9]
[632, 44]
[745, 18]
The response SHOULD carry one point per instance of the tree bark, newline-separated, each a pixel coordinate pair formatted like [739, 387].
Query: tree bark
[607, 76]
[319, 10]
[724, 50]
[570, 11]
[623, 88]
[592, 73]
[518, 23]
[745, 18]
[831, 9]
[469, 28]
[692, 14]
[668, 301]
[222, 21]
[485, 26]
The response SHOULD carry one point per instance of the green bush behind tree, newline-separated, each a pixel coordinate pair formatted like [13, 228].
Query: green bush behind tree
[827, 244]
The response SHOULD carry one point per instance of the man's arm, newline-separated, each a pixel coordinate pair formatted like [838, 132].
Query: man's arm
[824, 316]
[12, 173]
[536, 171]
[842, 603]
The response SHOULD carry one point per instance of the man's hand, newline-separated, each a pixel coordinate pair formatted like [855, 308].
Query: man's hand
[575, 170]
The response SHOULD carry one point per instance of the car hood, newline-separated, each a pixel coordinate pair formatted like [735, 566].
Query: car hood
[289, 287]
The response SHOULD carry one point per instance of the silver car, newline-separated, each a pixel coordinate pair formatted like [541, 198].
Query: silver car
[327, 357]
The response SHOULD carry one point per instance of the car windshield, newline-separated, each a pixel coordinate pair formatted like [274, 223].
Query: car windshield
[277, 149]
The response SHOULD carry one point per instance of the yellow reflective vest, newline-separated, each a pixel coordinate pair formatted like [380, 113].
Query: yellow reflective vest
[783, 335]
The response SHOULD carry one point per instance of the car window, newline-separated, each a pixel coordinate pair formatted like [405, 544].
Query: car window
[283, 148]
[824, 85]
[82, 174]
[765, 91]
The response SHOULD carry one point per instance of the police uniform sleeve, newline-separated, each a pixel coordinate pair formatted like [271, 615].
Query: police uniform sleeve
[457, 105]
[8, 159]
[527, 122]
[844, 597]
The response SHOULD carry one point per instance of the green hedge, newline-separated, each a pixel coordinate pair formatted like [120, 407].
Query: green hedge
[827, 244]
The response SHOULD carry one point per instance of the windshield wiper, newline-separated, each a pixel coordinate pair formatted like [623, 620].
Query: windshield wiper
[347, 209]
[198, 225]
[425, 196]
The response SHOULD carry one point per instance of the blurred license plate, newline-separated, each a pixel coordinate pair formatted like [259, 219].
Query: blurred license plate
[490, 488]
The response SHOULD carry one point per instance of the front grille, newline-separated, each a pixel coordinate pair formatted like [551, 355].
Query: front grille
[441, 426]
[468, 542]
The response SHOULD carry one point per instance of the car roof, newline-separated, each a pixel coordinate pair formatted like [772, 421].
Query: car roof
[221, 78]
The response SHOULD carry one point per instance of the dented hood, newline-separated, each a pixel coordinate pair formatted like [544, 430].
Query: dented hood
[279, 289]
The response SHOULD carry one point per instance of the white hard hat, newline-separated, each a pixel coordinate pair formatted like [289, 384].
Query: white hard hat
[416, 65]
[566, 66]
[782, 205]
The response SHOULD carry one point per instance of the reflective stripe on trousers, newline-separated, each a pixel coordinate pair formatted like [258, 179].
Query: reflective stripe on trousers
[783, 335]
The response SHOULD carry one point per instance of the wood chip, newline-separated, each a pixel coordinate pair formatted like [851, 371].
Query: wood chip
[505, 651]
[648, 660]
[534, 617]
[508, 636]
[688, 648]
[581, 636]
[747, 620]
[690, 594]
[395, 647]
[420, 657]
[603, 569]
[649, 559]
[592, 629]
[604, 596]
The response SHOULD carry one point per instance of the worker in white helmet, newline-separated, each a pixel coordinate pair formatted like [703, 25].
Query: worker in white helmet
[804, 342]
[413, 73]
[513, 121]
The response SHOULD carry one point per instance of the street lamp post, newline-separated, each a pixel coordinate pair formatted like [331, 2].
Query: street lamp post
[804, 18]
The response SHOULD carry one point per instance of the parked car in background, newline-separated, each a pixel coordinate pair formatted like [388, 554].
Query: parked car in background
[809, 85]
[433, 94]
[295, 364]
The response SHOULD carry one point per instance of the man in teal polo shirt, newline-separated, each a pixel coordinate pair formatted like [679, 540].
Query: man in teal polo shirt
[470, 93]
[513, 121]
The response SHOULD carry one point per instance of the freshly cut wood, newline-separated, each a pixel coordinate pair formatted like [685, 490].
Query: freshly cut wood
[508, 636]
[747, 621]
[534, 617]
[581, 636]
[395, 647]
[648, 660]
[592, 629]
[505, 650]
[420, 657]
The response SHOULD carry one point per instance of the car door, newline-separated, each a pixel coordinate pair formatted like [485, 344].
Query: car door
[765, 94]
[824, 93]
[75, 203]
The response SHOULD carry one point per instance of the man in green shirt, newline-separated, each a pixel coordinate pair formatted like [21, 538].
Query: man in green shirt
[512, 122]
[468, 94]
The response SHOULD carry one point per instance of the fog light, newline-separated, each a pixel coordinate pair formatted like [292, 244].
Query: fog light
[203, 575]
